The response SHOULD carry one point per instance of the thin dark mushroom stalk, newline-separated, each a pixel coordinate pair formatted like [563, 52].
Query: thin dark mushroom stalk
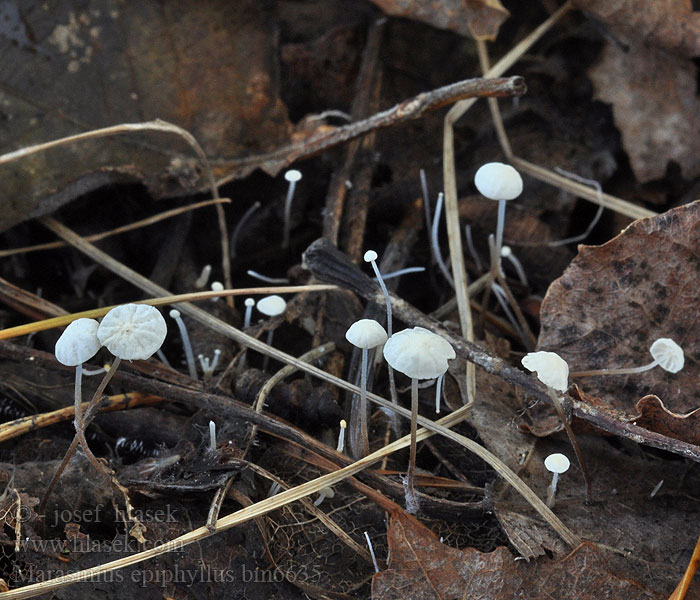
[553, 371]
[364, 334]
[418, 354]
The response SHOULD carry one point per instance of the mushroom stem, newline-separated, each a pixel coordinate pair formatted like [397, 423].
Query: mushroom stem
[472, 249]
[387, 300]
[574, 443]
[249, 304]
[341, 436]
[189, 355]
[410, 489]
[79, 437]
[371, 257]
[435, 242]
[500, 224]
[77, 417]
[622, 371]
[288, 213]
[239, 227]
[364, 436]
[438, 393]
[212, 436]
[552, 490]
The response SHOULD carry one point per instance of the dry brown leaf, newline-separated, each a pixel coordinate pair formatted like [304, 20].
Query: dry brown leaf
[653, 415]
[531, 537]
[614, 300]
[474, 18]
[422, 568]
[209, 67]
[672, 24]
[655, 106]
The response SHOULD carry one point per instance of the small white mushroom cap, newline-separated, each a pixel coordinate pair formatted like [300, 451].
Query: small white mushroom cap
[271, 306]
[78, 343]
[506, 251]
[668, 354]
[366, 333]
[557, 463]
[217, 286]
[370, 255]
[292, 175]
[133, 331]
[418, 353]
[249, 302]
[498, 181]
[552, 369]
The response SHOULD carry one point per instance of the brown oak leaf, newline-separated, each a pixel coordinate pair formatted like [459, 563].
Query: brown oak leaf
[422, 568]
[615, 300]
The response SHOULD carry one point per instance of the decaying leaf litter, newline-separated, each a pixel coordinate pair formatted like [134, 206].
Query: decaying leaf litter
[353, 62]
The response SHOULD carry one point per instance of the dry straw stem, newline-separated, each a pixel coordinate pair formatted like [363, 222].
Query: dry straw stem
[95, 237]
[96, 313]
[582, 191]
[157, 125]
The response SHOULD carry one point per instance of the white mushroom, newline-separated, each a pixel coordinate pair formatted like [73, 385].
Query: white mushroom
[271, 306]
[78, 344]
[552, 369]
[292, 176]
[133, 331]
[555, 464]
[498, 181]
[419, 354]
[666, 353]
[365, 334]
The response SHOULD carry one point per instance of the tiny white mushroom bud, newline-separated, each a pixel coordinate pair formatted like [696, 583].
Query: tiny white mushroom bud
[292, 175]
[271, 306]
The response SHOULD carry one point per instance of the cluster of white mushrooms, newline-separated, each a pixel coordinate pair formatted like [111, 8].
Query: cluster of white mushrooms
[417, 353]
[552, 370]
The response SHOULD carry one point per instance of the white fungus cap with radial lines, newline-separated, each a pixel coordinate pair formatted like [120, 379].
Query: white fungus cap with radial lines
[557, 463]
[498, 181]
[668, 354]
[366, 333]
[418, 353]
[271, 306]
[552, 369]
[133, 331]
[78, 343]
